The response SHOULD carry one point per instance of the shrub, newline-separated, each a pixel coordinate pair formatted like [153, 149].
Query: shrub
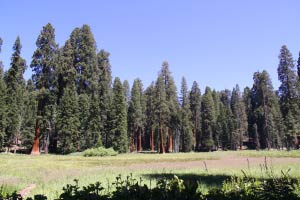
[100, 151]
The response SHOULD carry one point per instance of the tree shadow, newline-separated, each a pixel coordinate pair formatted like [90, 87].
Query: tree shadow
[208, 180]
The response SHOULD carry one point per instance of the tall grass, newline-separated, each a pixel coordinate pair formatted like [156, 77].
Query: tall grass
[51, 172]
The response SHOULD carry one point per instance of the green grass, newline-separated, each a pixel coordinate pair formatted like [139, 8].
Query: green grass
[51, 172]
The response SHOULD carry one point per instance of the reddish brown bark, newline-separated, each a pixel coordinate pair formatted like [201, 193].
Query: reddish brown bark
[161, 141]
[170, 149]
[152, 139]
[139, 147]
[132, 145]
[36, 143]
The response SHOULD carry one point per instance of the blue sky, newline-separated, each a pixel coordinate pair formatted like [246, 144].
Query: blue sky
[215, 42]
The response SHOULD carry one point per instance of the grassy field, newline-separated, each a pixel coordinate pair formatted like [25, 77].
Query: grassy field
[51, 172]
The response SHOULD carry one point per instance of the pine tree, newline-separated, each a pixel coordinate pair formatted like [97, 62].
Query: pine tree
[161, 111]
[240, 117]
[68, 121]
[43, 65]
[288, 92]
[30, 109]
[263, 104]
[195, 105]
[135, 117]
[15, 86]
[67, 126]
[216, 136]
[126, 92]
[120, 139]
[225, 121]
[186, 126]
[172, 128]
[150, 113]
[2, 103]
[207, 111]
[105, 95]
[85, 58]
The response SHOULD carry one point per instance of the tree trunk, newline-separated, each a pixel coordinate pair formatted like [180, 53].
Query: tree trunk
[170, 149]
[152, 139]
[161, 142]
[139, 147]
[36, 143]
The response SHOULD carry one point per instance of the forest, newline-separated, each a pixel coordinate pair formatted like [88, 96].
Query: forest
[72, 103]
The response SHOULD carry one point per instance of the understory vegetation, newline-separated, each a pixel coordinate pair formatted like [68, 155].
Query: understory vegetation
[100, 151]
[236, 188]
[50, 173]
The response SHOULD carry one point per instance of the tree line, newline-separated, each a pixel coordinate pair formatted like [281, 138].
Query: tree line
[71, 103]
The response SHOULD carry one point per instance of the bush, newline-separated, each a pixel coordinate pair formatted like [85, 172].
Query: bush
[236, 188]
[100, 151]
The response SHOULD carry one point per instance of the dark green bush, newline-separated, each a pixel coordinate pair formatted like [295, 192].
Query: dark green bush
[237, 188]
[100, 151]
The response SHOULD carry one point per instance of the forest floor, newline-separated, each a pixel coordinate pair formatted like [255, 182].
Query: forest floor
[49, 173]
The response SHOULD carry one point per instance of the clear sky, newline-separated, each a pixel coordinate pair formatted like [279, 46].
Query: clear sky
[218, 43]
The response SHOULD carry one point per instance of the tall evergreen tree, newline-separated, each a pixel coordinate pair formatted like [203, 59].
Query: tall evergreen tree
[186, 126]
[195, 105]
[15, 87]
[161, 111]
[2, 103]
[135, 117]
[127, 92]
[207, 111]
[172, 124]
[150, 113]
[120, 138]
[288, 92]
[43, 65]
[67, 116]
[264, 104]
[105, 94]
[240, 116]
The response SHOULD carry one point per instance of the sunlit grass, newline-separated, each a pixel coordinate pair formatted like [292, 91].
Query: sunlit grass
[51, 172]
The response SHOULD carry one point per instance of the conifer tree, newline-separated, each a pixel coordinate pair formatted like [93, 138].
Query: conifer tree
[127, 92]
[105, 94]
[30, 109]
[2, 103]
[263, 104]
[207, 111]
[43, 65]
[240, 117]
[161, 111]
[195, 106]
[135, 117]
[150, 113]
[172, 117]
[288, 92]
[67, 126]
[119, 131]
[15, 86]
[225, 121]
[186, 126]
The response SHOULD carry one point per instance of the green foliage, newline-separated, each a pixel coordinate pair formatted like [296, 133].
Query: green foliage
[119, 116]
[186, 126]
[99, 151]
[236, 188]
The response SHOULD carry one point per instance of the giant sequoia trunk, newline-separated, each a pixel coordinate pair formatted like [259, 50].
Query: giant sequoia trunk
[170, 141]
[161, 141]
[139, 141]
[36, 143]
[152, 139]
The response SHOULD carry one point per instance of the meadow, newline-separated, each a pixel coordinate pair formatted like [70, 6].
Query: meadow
[49, 173]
